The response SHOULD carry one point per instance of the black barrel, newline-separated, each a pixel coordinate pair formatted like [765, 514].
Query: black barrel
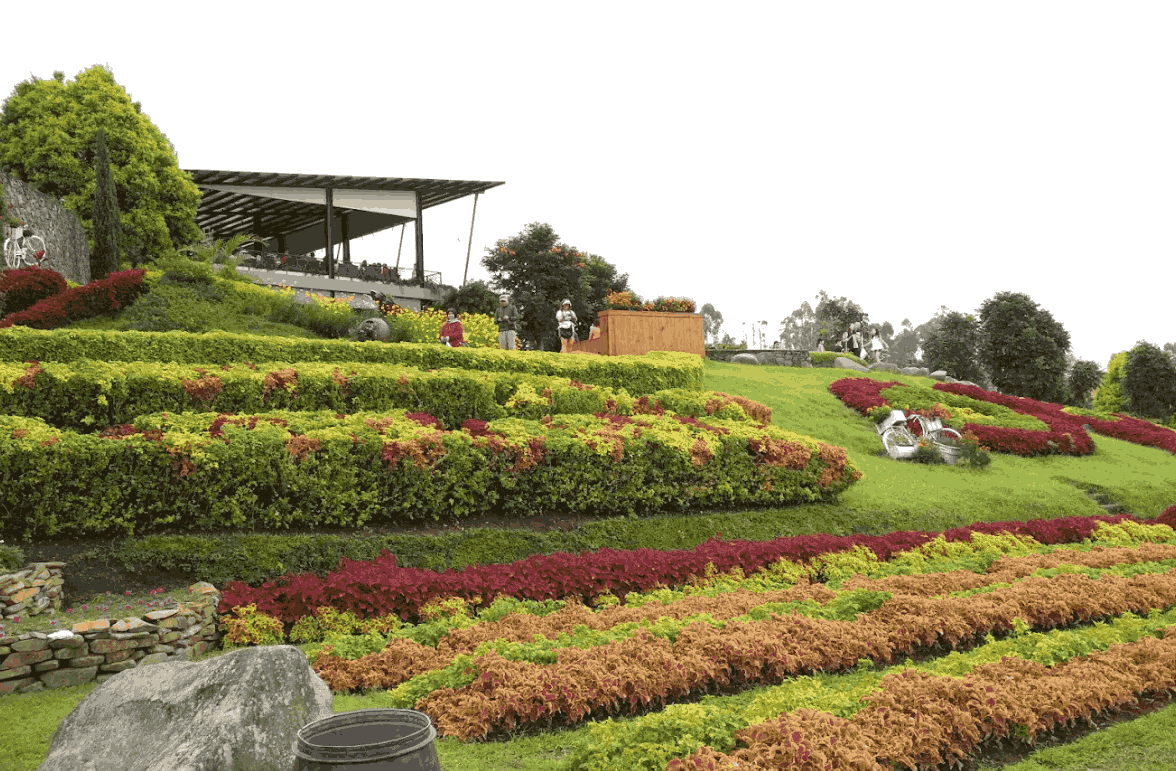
[368, 740]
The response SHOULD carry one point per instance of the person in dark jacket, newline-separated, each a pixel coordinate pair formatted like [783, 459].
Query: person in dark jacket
[507, 317]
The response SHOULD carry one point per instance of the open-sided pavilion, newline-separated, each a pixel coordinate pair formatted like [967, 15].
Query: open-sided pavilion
[301, 213]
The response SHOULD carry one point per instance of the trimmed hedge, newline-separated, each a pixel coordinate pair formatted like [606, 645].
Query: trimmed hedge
[281, 469]
[639, 375]
[89, 395]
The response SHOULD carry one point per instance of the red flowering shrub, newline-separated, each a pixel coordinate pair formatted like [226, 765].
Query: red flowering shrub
[94, 299]
[25, 287]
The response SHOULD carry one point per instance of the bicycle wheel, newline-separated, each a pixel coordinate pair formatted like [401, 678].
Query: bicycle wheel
[10, 258]
[899, 442]
[34, 250]
[937, 435]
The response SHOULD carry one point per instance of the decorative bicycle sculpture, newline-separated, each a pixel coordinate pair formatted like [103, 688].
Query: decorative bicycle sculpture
[24, 246]
[900, 442]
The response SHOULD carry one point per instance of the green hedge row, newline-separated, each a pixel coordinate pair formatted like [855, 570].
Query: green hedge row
[639, 375]
[276, 470]
[89, 395]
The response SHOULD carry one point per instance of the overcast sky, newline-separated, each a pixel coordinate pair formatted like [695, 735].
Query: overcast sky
[905, 155]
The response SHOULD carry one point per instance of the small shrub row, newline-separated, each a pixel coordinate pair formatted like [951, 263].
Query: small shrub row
[90, 395]
[639, 375]
[278, 469]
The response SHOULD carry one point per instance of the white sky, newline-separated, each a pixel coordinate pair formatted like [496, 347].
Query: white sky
[905, 155]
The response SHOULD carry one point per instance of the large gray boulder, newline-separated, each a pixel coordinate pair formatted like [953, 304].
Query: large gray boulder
[883, 366]
[846, 363]
[744, 358]
[373, 329]
[938, 374]
[241, 710]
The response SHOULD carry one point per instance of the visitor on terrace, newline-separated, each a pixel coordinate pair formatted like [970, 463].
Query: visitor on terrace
[506, 316]
[452, 332]
[565, 318]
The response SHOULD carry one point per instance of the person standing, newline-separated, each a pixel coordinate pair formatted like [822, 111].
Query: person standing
[452, 332]
[565, 319]
[877, 346]
[507, 317]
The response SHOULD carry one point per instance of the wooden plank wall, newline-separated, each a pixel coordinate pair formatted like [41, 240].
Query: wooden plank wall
[632, 333]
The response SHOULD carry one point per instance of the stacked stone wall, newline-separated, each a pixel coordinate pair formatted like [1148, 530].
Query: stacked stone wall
[65, 239]
[94, 650]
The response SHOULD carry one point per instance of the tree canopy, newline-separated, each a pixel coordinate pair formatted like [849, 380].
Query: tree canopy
[712, 322]
[47, 138]
[474, 297]
[1149, 382]
[539, 271]
[954, 346]
[1023, 348]
[834, 316]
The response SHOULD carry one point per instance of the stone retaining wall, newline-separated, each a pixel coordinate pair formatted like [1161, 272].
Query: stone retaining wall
[777, 356]
[65, 239]
[94, 650]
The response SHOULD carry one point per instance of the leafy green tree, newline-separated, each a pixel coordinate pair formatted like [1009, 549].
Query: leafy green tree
[539, 271]
[834, 317]
[104, 257]
[712, 322]
[1084, 377]
[1149, 382]
[474, 297]
[47, 133]
[954, 347]
[1022, 347]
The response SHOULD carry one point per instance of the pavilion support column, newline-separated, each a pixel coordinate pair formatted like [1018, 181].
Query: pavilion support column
[419, 270]
[282, 243]
[346, 237]
[256, 229]
[330, 256]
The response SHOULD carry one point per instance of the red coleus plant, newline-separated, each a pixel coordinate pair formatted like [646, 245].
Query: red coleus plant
[94, 299]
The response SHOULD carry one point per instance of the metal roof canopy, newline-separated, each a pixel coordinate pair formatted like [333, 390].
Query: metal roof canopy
[305, 212]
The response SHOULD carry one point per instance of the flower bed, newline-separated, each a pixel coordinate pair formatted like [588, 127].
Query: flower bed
[528, 664]
[1124, 427]
[1064, 434]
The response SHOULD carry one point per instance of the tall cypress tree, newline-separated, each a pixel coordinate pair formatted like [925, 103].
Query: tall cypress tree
[104, 258]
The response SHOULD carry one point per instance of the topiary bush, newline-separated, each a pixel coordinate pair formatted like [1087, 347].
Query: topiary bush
[25, 287]
[1149, 383]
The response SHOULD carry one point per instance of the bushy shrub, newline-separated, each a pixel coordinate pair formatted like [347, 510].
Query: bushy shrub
[1150, 382]
[112, 293]
[25, 287]
[1109, 397]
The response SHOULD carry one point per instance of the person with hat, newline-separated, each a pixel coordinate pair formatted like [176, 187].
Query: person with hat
[565, 318]
[507, 317]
